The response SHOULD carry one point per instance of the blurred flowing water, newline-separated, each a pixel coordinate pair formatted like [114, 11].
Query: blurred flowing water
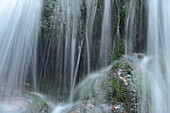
[93, 84]
[19, 27]
[106, 40]
[79, 37]
[155, 74]
[67, 47]
[146, 23]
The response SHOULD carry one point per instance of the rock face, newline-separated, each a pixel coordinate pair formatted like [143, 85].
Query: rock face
[24, 102]
[36, 104]
[88, 107]
[121, 87]
[120, 92]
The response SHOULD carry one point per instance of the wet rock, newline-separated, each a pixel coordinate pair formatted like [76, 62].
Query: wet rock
[121, 87]
[138, 55]
[24, 102]
[88, 107]
[117, 94]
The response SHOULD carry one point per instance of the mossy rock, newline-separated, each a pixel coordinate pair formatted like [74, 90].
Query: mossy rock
[119, 50]
[127, 69]
[117, 91]
[118, 87]
[37, 105]
[24, 102]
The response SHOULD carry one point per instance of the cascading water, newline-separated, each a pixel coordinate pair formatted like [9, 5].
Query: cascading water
[106, 39]
[155, 68]
[77, 38]
[63, 45]
[91, 13]
[74, 36]
[18, 38]
[135, 27]
[70, 36]
[93, 84]
[19, 26]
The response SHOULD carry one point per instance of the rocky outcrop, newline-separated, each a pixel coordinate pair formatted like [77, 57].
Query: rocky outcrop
[121, 88]
[120, 92]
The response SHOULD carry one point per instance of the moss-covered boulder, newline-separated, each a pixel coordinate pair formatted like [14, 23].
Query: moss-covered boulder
[110, 91]
[120, 86]
[36, 103]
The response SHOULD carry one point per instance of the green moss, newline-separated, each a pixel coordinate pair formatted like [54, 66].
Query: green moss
[99, 2]
[117, 66]
[139, 3]
[122, 16]
[125, 67]
[128, 69]
[118, 92]
[47, 12]
[37, 104]
[119, 50]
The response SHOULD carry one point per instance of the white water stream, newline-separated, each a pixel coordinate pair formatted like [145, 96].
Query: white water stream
[156, 67]
[19, 27]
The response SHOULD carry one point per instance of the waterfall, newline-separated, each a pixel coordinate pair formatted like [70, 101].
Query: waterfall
[130, 27]
[106, 39]
[69, 42]
[65, 49]
[63, 45]
[93, 82]
[91, 13]
[19, 26]
[135, 27]
[155, 71]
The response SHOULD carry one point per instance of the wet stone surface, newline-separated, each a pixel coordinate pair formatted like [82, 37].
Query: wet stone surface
[87, 107]
[24, 102]
[121, 85]
[121, 92]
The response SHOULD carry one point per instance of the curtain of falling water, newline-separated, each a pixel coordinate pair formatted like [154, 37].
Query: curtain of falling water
[155, 68]
[81, 36]
[90, 13]
[68, 43]
[135, 27]
[19, 25]
[106, 42]
[63, 43]
[158, 49]
[76, 19]
[130, 27]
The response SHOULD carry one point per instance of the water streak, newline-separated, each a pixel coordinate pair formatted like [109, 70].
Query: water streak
[18, 42]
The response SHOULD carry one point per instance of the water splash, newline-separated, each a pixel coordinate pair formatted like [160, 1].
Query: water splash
[93, 82]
